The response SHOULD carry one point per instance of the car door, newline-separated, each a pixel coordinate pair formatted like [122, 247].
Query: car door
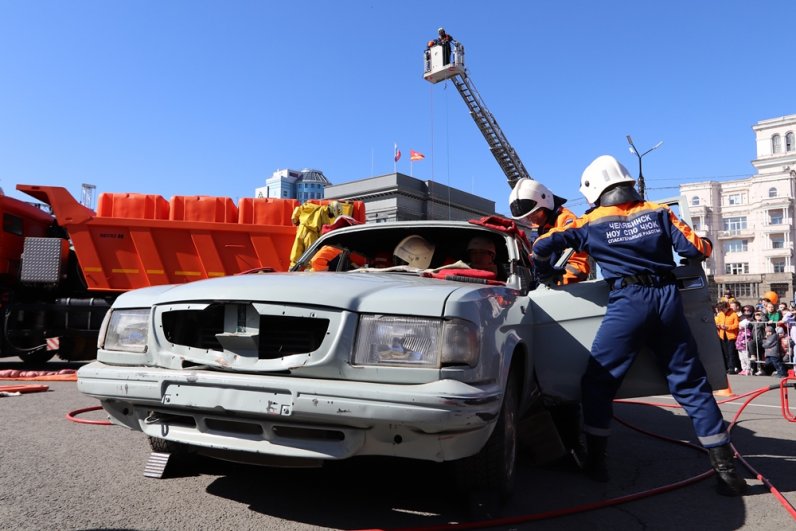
[565, 320]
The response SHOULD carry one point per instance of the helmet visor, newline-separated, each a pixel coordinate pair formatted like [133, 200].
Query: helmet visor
[522, 207]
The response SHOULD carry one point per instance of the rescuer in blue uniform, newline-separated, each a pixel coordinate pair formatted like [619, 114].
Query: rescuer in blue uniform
[632, 240]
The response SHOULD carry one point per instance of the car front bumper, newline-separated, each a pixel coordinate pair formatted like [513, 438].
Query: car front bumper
[289, 416]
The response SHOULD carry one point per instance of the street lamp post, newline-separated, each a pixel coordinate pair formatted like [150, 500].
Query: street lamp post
[636, 153]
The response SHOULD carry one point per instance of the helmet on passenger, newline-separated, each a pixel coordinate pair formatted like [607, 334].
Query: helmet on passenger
[481, 243]
[603, 173]
[414, 251]
[441, 31]
[528, 196]
[771, 296]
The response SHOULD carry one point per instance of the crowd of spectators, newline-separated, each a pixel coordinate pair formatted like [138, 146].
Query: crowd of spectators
[756, 339]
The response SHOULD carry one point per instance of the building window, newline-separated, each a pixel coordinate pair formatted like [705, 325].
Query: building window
[734, 199]
[772, 192]
[789, 146]
[777, 241]
[734, 225]
[741, 290]
[695, 201]
[739, 268]
[736, 246]
[696, 223]
[775, 216]
[776, 144]
[778, 265]
[781, 290]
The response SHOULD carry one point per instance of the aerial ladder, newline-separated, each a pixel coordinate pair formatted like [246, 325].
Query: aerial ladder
[438, 68]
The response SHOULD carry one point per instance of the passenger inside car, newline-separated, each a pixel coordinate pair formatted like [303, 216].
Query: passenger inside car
[481, 254]
[333, 258]
[413, 251]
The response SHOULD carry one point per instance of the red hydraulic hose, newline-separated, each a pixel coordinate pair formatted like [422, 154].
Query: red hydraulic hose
[783, 396]
[483, 524]
[777, 494]
[751, 396]
[72, 415]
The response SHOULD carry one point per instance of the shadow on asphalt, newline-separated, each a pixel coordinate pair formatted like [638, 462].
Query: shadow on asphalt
[383, 492]
[375, 492]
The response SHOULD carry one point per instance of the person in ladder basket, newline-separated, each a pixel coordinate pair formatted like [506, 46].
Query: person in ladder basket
[632, 240]
[534, 202]
[445, 41]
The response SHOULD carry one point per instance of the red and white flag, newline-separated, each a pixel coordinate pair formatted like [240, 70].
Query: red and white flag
[397, 154]
[414, 155]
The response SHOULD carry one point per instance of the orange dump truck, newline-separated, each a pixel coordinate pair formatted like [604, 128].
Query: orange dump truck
[59, 273]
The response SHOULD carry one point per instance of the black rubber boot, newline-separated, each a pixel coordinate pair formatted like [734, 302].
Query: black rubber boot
[729, 483]
[596, 466]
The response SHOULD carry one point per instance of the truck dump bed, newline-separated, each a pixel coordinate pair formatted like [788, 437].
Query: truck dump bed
[140, 240]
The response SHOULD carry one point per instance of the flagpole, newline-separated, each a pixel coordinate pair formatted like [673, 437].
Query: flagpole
[411, 167]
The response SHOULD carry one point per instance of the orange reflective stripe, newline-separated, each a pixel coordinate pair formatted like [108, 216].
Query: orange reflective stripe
[702, 245]
[578, 266]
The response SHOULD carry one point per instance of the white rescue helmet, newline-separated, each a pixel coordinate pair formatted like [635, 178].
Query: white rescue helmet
[528, 196]
[481, 243]
[441, 31]
[414, 251]
[603, 172]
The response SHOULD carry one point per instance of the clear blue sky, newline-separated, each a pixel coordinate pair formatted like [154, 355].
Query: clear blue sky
[183, 98]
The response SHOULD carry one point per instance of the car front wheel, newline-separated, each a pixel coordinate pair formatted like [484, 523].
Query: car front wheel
[493, 468]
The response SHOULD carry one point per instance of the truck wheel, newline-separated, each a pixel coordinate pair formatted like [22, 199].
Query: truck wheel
[493, 469]
[36, 357]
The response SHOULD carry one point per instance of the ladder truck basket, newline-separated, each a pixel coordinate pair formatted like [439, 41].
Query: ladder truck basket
[436, 69]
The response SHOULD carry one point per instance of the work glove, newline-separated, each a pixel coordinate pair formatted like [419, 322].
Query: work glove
[545, 273]
[552, 279]
[697, 259]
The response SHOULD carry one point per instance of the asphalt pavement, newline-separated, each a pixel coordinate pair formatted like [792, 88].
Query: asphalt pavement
[58, 474]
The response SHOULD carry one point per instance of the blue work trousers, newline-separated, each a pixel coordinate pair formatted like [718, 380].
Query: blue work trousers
[639, 315]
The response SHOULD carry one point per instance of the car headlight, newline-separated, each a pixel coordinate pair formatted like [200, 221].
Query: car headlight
[127, 330]
[416, 342]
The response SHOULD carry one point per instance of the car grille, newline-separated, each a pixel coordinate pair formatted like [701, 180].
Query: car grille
[278, 335]
[281, 336]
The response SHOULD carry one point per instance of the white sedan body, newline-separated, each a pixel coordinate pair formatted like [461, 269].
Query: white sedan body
[312, 365]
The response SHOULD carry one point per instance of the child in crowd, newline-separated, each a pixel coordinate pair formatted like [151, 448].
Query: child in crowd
[746, 340]
[758, 334]
[784, 343]
[772, 315]
[771, 344]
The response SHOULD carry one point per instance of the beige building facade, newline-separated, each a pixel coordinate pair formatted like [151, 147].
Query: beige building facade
[751, 220]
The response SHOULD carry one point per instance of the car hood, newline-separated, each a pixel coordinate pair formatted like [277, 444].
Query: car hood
[359, 292]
